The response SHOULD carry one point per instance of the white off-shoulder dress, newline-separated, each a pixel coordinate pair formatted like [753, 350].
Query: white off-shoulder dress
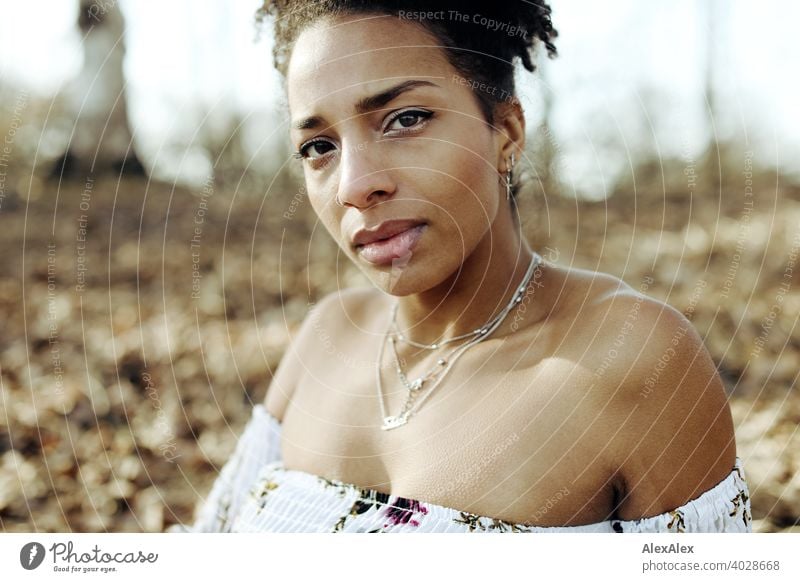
[255, 493]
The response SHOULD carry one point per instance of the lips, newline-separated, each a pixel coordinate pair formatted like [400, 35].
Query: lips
[384, 230]
[382, 251]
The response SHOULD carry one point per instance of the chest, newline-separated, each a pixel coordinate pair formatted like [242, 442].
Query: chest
[521, 446]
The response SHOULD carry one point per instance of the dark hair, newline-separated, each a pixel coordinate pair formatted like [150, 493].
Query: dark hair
[480, 39]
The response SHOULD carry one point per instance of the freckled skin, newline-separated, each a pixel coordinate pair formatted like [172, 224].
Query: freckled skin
[567, 433]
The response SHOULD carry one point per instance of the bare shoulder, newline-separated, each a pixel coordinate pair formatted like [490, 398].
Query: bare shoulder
[332, 314]
[673, 435]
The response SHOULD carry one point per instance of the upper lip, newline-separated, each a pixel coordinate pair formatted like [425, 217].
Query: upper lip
[384, 230]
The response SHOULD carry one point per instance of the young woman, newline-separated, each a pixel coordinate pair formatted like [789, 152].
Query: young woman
[476, 387]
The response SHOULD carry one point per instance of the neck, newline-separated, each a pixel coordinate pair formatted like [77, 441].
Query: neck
[473, 295]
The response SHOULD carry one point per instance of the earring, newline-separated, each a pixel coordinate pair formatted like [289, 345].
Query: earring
[338, 202]
[508, 177]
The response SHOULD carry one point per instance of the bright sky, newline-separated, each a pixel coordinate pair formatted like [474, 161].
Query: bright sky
[623, 66]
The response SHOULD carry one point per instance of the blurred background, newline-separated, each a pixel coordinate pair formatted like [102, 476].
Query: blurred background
[159, 251]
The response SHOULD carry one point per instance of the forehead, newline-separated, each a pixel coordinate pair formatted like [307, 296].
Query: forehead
[347, 57]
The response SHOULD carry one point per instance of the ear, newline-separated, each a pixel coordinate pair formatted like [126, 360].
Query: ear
[510, 133]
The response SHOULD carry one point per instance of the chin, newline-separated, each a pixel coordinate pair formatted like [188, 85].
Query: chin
[402, 279]
[393, 280]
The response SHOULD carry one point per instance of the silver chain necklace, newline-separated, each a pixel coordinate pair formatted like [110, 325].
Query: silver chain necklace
[437, 345]
[443, 364]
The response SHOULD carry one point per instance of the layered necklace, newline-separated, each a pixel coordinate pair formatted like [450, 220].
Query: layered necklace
[434, 376]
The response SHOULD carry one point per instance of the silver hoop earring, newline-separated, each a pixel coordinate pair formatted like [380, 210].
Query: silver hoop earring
[508, 177]
[338, 202]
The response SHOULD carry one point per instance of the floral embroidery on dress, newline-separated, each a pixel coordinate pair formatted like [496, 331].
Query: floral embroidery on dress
[402, 511]
[367, 500]
[476, 522]
[473, 522]
[335, 485]
[677, 521]
[740, 502]
[260, 494]
[504, 526]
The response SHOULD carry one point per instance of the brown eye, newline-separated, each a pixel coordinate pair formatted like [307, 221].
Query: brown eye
[315, 149]
[408, 119]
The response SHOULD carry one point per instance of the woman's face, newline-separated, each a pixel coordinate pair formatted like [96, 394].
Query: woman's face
[387, 125]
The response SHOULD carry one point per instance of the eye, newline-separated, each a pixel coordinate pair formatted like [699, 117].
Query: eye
[314, 149]
[408, 119]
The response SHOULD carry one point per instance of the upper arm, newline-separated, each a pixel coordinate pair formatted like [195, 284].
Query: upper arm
[294, 361]
[676, 440]
[311, 340]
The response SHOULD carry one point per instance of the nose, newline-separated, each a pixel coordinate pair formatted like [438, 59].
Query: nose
[364, 179]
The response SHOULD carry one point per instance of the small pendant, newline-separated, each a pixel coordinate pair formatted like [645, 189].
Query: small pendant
[416, 384]
[390, 422]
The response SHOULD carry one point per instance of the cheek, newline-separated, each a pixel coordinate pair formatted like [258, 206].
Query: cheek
[328, 213]
[317, 201]
[470, 191]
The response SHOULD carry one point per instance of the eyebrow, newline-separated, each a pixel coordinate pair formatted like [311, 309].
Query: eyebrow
[370, 103]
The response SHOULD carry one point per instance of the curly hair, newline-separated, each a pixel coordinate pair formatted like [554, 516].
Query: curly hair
[480, 39]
